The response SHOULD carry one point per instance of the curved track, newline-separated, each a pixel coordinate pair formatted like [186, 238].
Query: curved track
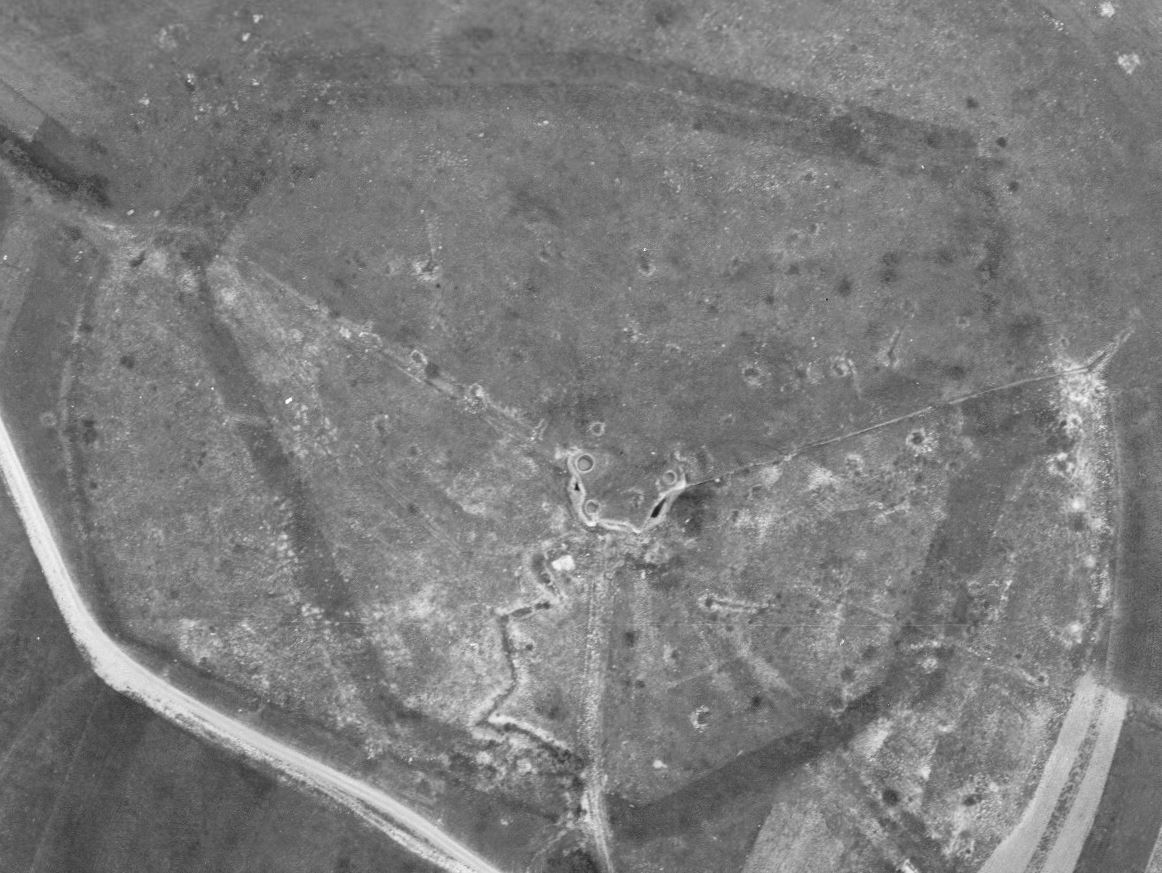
[128, 676]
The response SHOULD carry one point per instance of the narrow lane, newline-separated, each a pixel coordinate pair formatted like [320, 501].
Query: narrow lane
[1015, 853]
[128, 676]
[1070, 840]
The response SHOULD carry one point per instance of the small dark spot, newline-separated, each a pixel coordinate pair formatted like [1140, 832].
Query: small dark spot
[1024, 328]
[916, 437]
[137, 260]
[1014, 186]
[128, 362]
[844, 288]
[793, 270]
[955, 372]
[1077, 521]
[756, 702]
[971, 102]
[692, 509]
[769, 299]
[431, 370]
[665, 15]
[971, 800]
[413, 509]
[845, 134]
[890, 796]
[88, 431]
[847, 674]
[1002, 141]
[479, 35]
[573, 861]
[630, 638]
[891, 267]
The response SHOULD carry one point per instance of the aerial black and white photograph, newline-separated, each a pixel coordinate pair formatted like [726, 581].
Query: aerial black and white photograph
[580, 436]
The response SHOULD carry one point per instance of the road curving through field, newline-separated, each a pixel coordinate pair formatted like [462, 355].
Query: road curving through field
[125, 674]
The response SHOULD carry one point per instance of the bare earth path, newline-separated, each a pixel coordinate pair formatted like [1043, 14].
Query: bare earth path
[128, 676]
[1091, 704]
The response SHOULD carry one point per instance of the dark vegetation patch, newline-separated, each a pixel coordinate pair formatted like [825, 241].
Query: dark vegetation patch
[733, 107]
[1130, 811]
[172, 803]
[32, 364]
[320, 580]
[41, 160]
[1025, 329]
[571, 861]
[719, 814]
[168, 802]
[890, 267]
[5, 205]
[1009, 431]
[88, 431]
[694, 508]
[577, 407]
[478, 36]
[666, 575]
[1135, 656]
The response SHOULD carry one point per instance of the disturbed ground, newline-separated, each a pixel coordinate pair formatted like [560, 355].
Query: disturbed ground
[94, 782]
[618, 434]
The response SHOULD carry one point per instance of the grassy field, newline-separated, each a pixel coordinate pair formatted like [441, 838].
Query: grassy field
[91, 782]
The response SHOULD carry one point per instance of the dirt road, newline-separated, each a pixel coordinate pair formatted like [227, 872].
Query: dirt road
[128, 676]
